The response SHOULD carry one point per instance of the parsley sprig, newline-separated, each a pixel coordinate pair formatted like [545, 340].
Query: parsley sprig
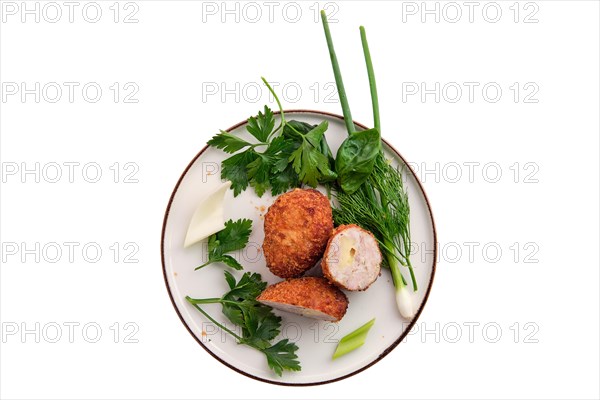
[295, 154]
[259, 325]
[233, 237]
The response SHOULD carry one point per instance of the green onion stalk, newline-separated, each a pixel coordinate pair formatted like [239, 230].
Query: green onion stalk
[353, 340]
[380, 204]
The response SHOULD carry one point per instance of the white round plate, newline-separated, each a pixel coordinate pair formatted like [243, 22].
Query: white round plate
[316, 340]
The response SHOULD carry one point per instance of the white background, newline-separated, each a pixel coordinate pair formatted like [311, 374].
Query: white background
[175, 53]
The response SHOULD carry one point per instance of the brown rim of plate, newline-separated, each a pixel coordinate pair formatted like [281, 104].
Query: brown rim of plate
[386, 351]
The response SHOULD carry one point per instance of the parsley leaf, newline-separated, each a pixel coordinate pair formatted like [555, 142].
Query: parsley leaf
[282, 181]
[234, 169]
[282, 355]
[228, 142]
[233, 237]
[258, 173]
[241, 295]
[248, 287]
[263, 168]
[310, 164]
[262, 125]
[259, 325]
[230, 279]
[227, 260]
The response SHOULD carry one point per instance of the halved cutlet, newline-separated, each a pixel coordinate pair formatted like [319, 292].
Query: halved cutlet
[352, 259]
[310, 296]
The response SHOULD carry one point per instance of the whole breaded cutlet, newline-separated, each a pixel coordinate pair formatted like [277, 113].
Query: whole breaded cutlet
[297, 227]
[309, 296]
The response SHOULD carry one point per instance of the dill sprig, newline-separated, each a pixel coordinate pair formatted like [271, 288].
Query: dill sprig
[381, 206]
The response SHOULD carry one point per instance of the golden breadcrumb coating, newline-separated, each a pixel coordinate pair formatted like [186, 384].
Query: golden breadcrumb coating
[309, 296]
[297, 227]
